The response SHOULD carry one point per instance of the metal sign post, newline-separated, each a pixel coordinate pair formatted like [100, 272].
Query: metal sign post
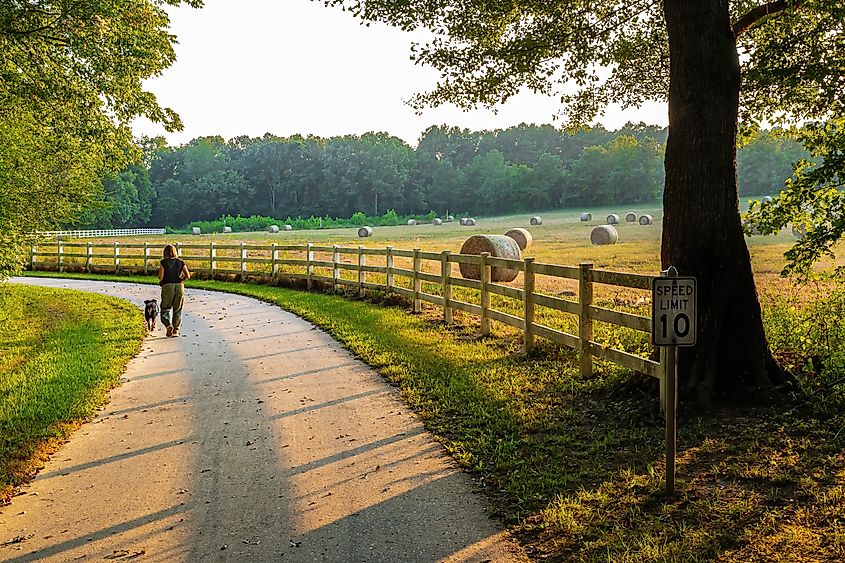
[673, 324]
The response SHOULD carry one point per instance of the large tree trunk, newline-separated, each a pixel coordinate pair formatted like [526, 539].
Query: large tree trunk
[702, 233]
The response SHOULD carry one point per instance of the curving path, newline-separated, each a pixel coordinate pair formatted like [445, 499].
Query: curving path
[252, 437]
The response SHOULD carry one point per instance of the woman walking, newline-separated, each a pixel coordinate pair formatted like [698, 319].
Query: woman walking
[171, 274]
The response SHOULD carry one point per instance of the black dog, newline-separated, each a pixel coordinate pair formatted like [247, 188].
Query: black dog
[150, 313]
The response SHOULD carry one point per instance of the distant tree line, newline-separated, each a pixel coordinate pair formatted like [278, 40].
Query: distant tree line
[522, 168]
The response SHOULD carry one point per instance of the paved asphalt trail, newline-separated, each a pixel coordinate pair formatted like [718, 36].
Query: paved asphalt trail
[252, 437]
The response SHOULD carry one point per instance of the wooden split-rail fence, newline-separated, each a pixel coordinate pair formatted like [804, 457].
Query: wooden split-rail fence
[246, 260]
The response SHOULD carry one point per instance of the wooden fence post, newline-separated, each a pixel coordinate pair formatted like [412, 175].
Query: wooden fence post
[89, 258]
[146, 257]
[417, 281]
[179, 249]
[445, 274]
[60, 259]
[528, 289]
[116, 257]
[309, 269]
[362, 261]
[585, 323]
[485, 294]
[33, 253]
[389, 269]
[274, 271]
[335, 268]
[243, 262]
[212, 262]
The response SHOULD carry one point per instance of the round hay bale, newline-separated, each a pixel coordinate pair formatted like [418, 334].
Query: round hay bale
[604, 234]
[469, 222]
[498, 246]
[535, 221]
[768, 199]
[196, 230]
[630, 217]
[227, 229]
[450, 218]
[586, 217]
[412, 222]
[288, 227]
[437, 221]
[613, 219]
[646, 220]
[273, 229]
[365, 232]
[522, 237]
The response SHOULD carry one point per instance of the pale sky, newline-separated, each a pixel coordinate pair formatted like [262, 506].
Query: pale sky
[250, 67]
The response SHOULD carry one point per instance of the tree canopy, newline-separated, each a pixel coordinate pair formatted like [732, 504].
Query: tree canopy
[521, 168]
[518, 169]
[616, 51]
[714, 62]
[71, 81]
[813, 201]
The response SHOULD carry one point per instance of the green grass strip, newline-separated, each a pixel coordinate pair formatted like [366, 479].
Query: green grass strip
[61, 351]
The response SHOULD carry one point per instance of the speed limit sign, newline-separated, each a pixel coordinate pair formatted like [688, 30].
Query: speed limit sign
[673, 310]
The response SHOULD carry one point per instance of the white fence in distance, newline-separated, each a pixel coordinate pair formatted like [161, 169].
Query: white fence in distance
[100, 233]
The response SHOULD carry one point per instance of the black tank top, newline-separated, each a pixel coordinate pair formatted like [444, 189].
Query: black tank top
[172, 270]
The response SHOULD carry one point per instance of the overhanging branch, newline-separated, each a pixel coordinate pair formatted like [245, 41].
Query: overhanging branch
[746, 22]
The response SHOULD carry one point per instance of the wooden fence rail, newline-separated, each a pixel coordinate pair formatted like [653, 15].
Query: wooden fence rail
[267, 260]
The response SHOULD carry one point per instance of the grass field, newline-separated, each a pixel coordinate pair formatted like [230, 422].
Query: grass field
[60, 353]
[562, 239]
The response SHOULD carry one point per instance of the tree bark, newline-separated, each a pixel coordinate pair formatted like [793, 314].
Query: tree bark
[702, 232]
[272, 199]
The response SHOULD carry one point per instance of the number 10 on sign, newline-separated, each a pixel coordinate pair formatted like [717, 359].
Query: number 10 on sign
[673, 311]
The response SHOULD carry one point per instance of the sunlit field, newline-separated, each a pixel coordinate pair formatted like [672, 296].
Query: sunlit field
[561, 239]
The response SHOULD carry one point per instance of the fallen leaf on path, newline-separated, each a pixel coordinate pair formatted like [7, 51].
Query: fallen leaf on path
[18, 539]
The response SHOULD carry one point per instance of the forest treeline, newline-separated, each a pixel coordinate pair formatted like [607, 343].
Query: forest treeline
[523, 168]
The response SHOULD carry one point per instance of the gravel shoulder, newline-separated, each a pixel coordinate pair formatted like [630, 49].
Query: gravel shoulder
[252, 437]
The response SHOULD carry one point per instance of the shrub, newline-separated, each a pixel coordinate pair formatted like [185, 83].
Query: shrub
[260, 223]
[389, 219]
[807, 332]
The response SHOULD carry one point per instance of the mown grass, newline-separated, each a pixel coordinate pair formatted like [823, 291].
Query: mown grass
[60, 353]
[576, 465]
